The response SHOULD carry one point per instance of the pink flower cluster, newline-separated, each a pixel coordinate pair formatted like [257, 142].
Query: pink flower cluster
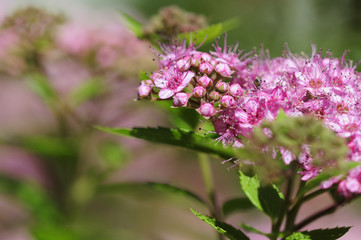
[239, 91]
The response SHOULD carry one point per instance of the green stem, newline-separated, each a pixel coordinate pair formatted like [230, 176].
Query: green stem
[292, 214]
[206, 170]
[316, 216]
[288, 194]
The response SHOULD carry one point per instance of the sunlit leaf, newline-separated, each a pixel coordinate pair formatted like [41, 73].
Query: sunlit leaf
[250, 186]
[208, 34]
[133, 25]
[41, 86]
[227, 230]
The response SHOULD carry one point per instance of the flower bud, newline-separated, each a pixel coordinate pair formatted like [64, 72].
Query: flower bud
[228, 101]
[222, 86]
[207, 110]
[223, 69]
[206, 57]
[205, 67]
[235, 90]
[184, 63]
[205, 81]
[180, 99]
[143, 91]
[199, 92]
[214, 96]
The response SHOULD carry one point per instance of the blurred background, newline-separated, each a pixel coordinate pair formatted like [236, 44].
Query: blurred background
[74, 65]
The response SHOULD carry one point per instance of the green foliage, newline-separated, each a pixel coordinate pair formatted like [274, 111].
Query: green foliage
[320, 234]
[227, 230]
[41, 86]
[163, 187]
[237, 204]
[249, 228]
[267, 199]
[208, 34]
[86, 91]
[113, 154]
[250, 186]
[133, 25]
[46, 146]
[175, 137]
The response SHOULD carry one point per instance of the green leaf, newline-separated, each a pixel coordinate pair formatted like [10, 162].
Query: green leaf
[41, 86]
[227, 230]
[175, 137]
[315, 182]
[298, 236]
[164, 187]
[133, 25]
[209, 33]
[250, 186]
[143, 75]
[33, 198]
[236, 204]
[271, 200]
[113, 154]
[45, 146]
[86, 91]
[320, 234]
[249, 228]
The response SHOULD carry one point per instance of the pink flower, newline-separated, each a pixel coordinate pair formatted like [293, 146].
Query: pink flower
[171, 81]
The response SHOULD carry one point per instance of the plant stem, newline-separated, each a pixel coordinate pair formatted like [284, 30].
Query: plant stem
[292, 214]
[206, 170]
[288, 193]
[316, 216]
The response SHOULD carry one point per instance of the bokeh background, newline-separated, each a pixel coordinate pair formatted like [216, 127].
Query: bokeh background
[30, 137]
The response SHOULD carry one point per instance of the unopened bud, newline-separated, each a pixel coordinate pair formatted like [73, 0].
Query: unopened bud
[144, 91]
[206, 57]
[205, 81]
[207, 110]
[180, 99]
[235, 90]
[223, 69]
[199, 92]
[184, 64]
[222, 86]
[228, 101]
[214, 96]
[205, 67]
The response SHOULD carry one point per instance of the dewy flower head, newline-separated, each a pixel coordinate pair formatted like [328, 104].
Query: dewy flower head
[171, 80]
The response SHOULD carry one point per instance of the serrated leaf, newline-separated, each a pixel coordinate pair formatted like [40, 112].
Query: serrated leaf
[133, 25]
[236, 204]
[320, 234]
[164, 187]
[208, 34]
[86, 91]
[175, 137]
[271, 200]
[250, 186]
[227, 230]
